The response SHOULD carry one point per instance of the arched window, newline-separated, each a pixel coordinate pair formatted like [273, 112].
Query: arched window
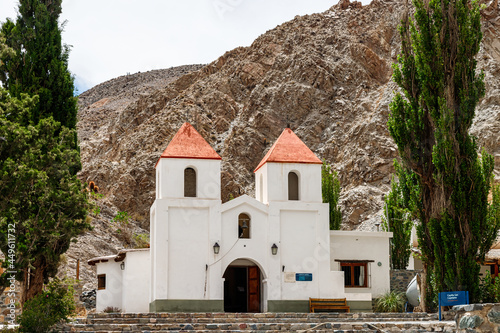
[243, 226]
[293, 186]
[189, 182]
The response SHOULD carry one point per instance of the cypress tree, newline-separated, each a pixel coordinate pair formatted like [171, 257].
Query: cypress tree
[330, 189]
[430, 124]
[43, 205]
[398, 218]
[39, 65]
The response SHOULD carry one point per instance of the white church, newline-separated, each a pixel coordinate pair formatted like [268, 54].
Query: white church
[270, 253]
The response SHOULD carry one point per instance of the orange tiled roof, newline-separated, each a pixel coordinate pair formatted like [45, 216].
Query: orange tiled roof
[289, 149]
[188, 143]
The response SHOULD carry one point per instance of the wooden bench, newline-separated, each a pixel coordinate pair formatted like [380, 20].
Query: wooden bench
[328, 304]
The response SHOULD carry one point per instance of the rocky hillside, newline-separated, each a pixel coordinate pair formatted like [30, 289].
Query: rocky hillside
[327, 75]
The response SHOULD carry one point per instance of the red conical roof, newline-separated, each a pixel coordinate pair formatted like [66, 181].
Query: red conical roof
[289, 149]
[188, 143]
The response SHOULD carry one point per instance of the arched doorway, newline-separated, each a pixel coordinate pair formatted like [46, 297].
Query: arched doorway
[242, 287]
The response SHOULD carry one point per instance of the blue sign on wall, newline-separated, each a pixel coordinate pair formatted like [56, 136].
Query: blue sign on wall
[452, 298]
[303, 277]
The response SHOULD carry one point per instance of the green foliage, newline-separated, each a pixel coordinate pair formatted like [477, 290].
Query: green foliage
[38, 63]
[330, 189]
[121, 218]
[489, 289]
[48, 308]
[399, 223]
[141, 241]
[391, 301]
[123, 231]
[430, 124]
[43, 205]
[93, 203]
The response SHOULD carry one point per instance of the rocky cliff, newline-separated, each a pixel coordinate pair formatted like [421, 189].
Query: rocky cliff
[327, 76]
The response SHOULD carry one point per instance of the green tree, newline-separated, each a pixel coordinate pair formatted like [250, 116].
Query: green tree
[43, 206]
[430, 124]
[54, 305]
[38, 64]
[330, 189]
[398, 219]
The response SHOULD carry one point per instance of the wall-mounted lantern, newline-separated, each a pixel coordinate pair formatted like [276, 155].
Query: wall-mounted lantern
[122, 266]
[216, 248]
[274, 249]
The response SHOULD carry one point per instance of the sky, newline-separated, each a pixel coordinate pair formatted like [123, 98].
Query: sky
[110, 38]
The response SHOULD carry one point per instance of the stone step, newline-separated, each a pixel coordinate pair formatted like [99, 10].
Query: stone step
[237, 331]
[240, 320]
[312, 316]
[430, 326]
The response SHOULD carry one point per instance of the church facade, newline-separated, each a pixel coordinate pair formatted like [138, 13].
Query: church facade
[270, 253]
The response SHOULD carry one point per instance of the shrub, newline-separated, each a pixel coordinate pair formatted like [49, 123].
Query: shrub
[50, 307]
[392, 301]
[141, 241]
[112, 309]
[489, 289]
[123, 231]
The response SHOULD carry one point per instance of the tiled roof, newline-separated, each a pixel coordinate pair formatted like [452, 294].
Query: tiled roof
[188, 143]
[289, 149]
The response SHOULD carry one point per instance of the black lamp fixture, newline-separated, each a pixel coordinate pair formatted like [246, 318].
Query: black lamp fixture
[274, 249]
[122, 266]
[216, 248]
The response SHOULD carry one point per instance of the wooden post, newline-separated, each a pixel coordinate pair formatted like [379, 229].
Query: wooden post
[78, 269]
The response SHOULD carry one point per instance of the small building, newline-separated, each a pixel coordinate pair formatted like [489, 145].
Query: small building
[265, 254]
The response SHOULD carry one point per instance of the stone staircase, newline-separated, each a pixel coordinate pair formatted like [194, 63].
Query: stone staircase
[259, 322]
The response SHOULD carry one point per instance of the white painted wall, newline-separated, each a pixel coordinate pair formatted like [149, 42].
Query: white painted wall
[136, 281]
[183, 232]
[112, 295]
[275, 182]
[357, 245]
[170, 177]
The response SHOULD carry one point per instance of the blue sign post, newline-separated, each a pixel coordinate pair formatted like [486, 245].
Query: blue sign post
[452, 298]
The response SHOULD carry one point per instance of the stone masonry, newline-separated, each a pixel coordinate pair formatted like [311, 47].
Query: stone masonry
[7, 310]
[477, 317]
[400, 278]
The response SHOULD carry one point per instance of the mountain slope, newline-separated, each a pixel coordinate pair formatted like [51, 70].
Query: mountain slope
[326, 75]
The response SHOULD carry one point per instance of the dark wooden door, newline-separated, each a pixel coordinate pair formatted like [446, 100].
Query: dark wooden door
[253, 289]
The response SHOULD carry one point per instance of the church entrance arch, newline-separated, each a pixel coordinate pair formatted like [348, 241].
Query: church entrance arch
[243, 287]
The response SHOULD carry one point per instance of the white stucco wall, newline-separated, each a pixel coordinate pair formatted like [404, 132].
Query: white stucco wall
[183, 232]
[275, 182]
[300, 230]
[357, 245]
[136, 281]
[112, 295]
[170, 177]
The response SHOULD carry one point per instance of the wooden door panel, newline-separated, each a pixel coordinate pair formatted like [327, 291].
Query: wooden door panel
[253, 289]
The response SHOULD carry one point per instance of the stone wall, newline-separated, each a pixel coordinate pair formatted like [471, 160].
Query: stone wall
[477, 317]
[6, 307]
[400, 278]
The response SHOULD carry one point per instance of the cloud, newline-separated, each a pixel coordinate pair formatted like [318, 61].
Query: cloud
[112, 37]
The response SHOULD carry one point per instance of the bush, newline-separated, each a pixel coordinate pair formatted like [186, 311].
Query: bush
[50, 307]
[141, 241]
[111, 309]
[123, 230]
[392, 301]
[489, 289]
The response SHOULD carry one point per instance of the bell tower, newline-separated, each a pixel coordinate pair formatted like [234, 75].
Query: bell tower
[290, 171]
[188, 168]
